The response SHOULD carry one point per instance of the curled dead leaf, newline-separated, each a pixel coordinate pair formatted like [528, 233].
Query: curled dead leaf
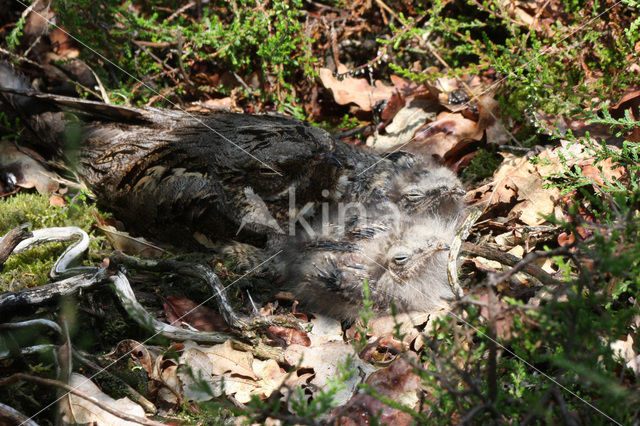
[226, 371]
[518, 185]
[576, 154]
[443, 135]
[355, 90]
[326, 360]
[124, 242]
[57, 201]
[181, 310]
[21, 167]
[289, 336]
[397, 382]
[78, 410]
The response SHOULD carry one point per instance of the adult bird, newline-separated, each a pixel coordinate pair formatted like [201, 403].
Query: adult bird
[170, 175]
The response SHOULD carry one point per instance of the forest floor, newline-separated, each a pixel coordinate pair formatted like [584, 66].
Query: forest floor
[535, 106]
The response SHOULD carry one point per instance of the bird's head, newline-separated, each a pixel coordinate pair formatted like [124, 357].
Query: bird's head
[435, 190]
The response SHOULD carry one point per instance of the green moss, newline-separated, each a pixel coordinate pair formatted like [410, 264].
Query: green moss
[481, 166]
[30, 268]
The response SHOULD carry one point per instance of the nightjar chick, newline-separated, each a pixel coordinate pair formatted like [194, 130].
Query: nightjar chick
[427, 188]
[403, 261]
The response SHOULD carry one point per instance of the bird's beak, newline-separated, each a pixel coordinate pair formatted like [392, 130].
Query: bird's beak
[332, 159]
[459, 192]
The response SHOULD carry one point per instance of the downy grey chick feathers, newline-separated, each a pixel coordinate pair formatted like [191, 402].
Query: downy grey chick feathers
[403, 260]
[428, 189]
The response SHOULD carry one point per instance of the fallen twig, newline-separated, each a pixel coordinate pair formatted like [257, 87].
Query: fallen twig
[47, 293]
[525, 265]
[452, 264]
[147, 405]
[49, 382]
[13, 416]
[9, 242]
[195, 270]
[145, 319]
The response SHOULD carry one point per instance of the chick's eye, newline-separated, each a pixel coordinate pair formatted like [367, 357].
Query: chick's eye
[400, 259]
[414, 195]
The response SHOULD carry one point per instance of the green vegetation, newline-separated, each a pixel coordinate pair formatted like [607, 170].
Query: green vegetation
[134, 39]
[573, 64]
[31, 267]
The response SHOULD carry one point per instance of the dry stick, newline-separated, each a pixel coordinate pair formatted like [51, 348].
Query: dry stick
[103, 91]
[49, 382]
[492, 377]
[180, 63]
[535, 411]
[43, 68]
[160, 45]
[28, 323]
[566, 415]
[516, 263]
[205, 273]
[474, 412]
[260, 350]
[35, 42]
[14, 416]
[148, 406]
[391, 12]
[139, 398]
[46, 293]
[525, 263]
[11, 240]
[162, 63]
[181, 10]
[452, 264]
[127, 298]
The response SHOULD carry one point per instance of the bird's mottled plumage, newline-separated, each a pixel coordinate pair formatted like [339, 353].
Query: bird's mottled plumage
[169, 175]
[403, 261]
[427, 189]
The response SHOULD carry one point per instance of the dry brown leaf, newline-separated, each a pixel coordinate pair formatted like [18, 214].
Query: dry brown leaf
[167, 374]
[502, 317]
[25, 170]
[489, 120]
[289, 336]
[179, 310]
[57, 201]
[624, 351]
[80, 411]
[401, 129]
[325, 329]
[398, 382]
[218, 104]
[227, 371]
[225, 359]
[390, 108]
[629, 102]
[517, 182]
[443, 135]
[577, 154]
[355, 90]
[534, 200]
[384, 326]
[325, 360]
[412, 90]
[136, 351]
[124, 242]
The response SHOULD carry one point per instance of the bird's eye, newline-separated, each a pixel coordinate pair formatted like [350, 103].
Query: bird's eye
[414, 195]
[400, 259]
[268, 171]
